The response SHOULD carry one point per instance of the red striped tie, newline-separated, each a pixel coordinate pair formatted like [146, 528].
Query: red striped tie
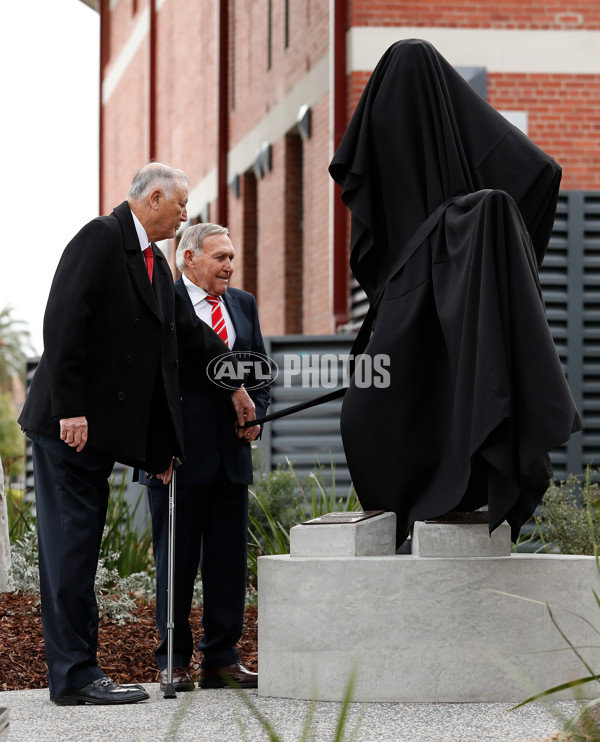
[149, 257]
[218, 321]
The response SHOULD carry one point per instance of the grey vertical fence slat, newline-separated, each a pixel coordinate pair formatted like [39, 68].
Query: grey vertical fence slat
[590, 330]
[570, 278]
[312, 437]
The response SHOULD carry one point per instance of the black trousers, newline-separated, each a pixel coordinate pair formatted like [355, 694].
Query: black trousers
[211, 527]
[71, 491]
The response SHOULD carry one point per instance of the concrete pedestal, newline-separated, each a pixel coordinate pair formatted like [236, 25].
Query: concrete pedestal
[433, 626]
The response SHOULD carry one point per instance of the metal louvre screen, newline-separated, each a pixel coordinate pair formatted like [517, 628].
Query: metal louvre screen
[570, 277]
[309, 366]
[585, 333]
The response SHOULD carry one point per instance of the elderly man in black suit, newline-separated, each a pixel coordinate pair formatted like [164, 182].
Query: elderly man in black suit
[106, 389]
[212, 486]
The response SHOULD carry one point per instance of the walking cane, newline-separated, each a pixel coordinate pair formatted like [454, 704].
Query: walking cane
[170, 688]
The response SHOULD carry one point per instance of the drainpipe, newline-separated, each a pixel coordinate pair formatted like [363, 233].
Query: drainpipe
[222, 112]
[152, 85]
[338, 88]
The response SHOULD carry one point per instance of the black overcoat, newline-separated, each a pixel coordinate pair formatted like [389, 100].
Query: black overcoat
[111, 346]
[477, 396]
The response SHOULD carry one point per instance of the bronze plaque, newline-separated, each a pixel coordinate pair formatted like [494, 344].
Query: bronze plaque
[350, 516]
[479, 516]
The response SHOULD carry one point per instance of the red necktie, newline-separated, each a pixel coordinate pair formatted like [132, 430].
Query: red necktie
[218, 321]
[149, 257]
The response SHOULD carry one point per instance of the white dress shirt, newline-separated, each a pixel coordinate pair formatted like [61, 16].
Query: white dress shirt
[141, 232]
[204, 310]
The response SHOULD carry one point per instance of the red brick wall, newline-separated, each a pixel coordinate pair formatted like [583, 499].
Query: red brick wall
[563, 117]
[258, 89]
[186, 105]
[123, 20]
[539, 14]
[292, 198]
[563, 114]
[185, 89]
[318, 317]
[243, 232]
[125, 136]
[271, 241]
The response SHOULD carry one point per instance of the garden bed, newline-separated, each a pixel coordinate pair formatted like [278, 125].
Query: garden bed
[125, 652]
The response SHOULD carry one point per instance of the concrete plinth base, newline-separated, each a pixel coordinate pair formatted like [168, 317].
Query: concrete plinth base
[432, 539]
[422, 628]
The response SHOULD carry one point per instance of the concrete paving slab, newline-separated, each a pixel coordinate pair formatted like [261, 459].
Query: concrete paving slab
[221, 716]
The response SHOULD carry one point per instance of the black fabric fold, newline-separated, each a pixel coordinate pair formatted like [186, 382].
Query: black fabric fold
[478, 396]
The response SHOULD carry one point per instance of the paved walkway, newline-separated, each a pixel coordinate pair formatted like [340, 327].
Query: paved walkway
[221, 716]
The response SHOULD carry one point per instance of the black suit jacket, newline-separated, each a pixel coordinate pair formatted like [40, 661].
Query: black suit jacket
[111, 342]
[210, 441]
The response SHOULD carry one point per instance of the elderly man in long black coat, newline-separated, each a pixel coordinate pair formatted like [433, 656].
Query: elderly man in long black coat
[452, 209]
[106, 389]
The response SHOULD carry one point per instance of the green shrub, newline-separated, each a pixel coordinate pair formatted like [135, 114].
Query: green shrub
[12, 441]
[271, 517]
[569, 515]
[274, 493]
[122, 539]
[21, 513]
[112, 593]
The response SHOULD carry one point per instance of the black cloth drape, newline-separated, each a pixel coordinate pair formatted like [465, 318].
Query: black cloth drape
[477, 396]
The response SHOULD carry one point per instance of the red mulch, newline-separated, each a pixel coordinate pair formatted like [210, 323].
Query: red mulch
[124, 652]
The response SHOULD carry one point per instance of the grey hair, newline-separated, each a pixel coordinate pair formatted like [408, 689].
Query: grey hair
[192, 240]
[155, 175]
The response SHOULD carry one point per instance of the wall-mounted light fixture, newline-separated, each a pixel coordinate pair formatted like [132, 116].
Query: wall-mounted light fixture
[303, 121]
[262, 160]
[234, 184]
[257, 165]
[265, 157]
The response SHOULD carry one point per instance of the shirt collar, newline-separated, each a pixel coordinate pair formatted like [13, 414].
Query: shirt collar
[196, 293]
[141, 232]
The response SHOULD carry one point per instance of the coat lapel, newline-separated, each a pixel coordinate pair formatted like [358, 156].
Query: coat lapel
[239, 320]
[135, 259]
[180, 287]
[242, 333]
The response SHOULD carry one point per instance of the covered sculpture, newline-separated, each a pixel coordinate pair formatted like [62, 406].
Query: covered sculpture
[478, 396]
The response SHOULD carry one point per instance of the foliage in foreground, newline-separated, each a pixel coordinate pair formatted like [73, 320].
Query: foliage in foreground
[570, 516]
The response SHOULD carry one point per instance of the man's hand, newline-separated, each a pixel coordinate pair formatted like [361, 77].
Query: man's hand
[246, 411]
[166, 475]
[74, 432]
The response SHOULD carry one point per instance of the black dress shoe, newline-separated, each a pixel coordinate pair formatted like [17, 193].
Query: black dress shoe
[182, 680]
[104, 692]
[236, 674]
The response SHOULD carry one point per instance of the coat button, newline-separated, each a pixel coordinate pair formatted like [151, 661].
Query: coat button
[129, 359]
[172, 325]
[136, 321]
[176, 363]
[121, 396]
